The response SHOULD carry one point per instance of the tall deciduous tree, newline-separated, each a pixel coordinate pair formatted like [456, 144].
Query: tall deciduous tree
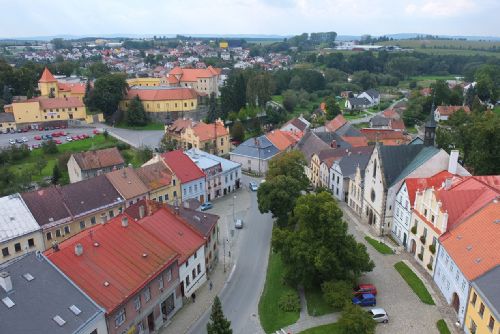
[332, 108]
[318, 247]
[212, 108]
[108, 91]
[136, 115]
[218, 323]
[354, 319]
[259, 90]
[237, 131]
[289, 164]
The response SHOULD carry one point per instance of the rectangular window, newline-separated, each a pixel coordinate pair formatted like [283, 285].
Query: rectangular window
[194, 274]
[58, 233]
[160, 282]
[31, 242]
[160, 199]
[199, 268]
[175, 194]
[17, 247]
[481, 310]
[137, 303]
[66, 230]
[169, 275]
[173, 182]
[82, 225]
[187, 281]
[120, 317]
[473, 327]
[49, 236]
[111, 214]
[5, 251]
[147, 294]
[491, 323]
[92, 220]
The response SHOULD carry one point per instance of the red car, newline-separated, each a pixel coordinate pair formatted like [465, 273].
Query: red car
[55, 134]
[96, 132]
[37, 137]
[81, 136]
[75, 137]
[35, 146]
[365, 288]
[58, 141]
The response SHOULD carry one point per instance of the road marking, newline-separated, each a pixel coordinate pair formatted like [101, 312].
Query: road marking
[231, 273]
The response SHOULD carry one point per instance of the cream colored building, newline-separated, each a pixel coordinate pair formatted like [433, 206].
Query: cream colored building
[19, 231]
[355, 197]
[144, 82]
[162, 183]
[204, 80]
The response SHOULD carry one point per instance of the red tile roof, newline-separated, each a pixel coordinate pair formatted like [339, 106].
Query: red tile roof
[415, 184]
[47, 76]
[57, 102]
[335, 123]
[162, 94]
[75, 88]
[448, 110]
[281, 140]
[398, 124]
[99, 159]
[125, 257]
[185, 169]
[209, 131]
[387, 136]
[390, 113]
[193, 74]
[474, 243]
[173, 231]
[356, 141]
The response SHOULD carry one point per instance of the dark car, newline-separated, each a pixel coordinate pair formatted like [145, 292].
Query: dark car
[365, 288]
[365, 299]
[206, 206]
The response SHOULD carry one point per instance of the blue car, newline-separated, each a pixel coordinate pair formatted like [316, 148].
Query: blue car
[366, 299]
[206, 206]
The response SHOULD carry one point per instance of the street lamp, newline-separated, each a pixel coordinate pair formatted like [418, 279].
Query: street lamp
[234, 198]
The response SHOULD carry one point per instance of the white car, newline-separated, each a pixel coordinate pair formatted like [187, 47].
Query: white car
[253, 186]
[24, 139]
[379, 315]
[12, 141]
[68, 138]
[238, 224]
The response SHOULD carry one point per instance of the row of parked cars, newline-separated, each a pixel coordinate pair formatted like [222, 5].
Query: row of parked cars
[366, 295]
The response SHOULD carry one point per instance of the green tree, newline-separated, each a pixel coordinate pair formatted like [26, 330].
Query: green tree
[212, 109]
[40, 164]
[135, 114]
[289, 100]
[275, 114]
[488, 82]
[144, 154]
[237, 131]
[56, 174]
[290, 164]
[337, 293]
[259, 90]
[88, 92]
[49, 147]
[97, 70]
[318, 248]
[354, 319]
[108, 91]
[332, 108]
[218, 323]
[167, 144]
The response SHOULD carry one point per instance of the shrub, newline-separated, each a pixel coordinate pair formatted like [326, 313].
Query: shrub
[289, 302]
[429, 266]
[50, 147]
[122, 146]
[337, 293]
[422, 239]
[421, 256]
[414, 229]
[432, 248]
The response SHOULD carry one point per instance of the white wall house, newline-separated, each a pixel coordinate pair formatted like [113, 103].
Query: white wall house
[194, 190]
[337, 181]
[400, 229]
[193, 271]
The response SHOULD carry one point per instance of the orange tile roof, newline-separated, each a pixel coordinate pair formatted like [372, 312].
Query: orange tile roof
[356, 141]
[280, 140]
[209, 131]
[56, 102]
[335, 123]
[162, 94]
[474, 243]
[127, 258]
[47, 76]
[390, 113]
[127, 183]
[180, 124]
[155, 176]
[193, 74]
[415, 184]
[398, 124]
[448, 110]
[75, 88]
[387, 136]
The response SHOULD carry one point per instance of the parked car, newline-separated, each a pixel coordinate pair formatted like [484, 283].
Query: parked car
[48, 136]
[12, 141]
[365, 299]
[25, 129]
[379, 315]
[68, 138]
[253, 186]
[75, 138]
[19, 140]
[81, 136]
[96, 132]
[365, 288]
[24, 139]
[206, 206]
[238, 224]
[35, 146]
[58, 141]
[37, 137]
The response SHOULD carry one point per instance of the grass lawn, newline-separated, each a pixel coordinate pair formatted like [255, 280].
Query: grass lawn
[316, 305]
[414, 282]
[325, 329]
[349, 116]
[412, 130]
[442, 327]
[277, 98]
[150, 126]
[271, 316]
[496, 110]
[362, 125]
[379, 246]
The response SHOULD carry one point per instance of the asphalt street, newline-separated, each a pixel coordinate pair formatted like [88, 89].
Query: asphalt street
[240, 296]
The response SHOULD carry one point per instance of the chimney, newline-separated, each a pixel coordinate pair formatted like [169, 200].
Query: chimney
[125, 221]
[333, 144]
[141, 211]
[78, 249]
[447, 183]
[5, 281]
[453, 162]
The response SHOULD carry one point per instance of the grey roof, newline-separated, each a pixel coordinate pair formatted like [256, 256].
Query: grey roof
[416, 140]
[373, 93]
[203, 222]
[348, 130]
[487, 286]
[359, 101]
[396, 158]
[378, 121]
[259, 148]
[310, 143]
[328, 137]
[425, 154]
[349, 163]
[15, 219]
[38, 301]
[208, 159]
[7, 117]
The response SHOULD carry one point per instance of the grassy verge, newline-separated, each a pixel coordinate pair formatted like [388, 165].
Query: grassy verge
[351, 116]
[325, 329]
[149, 126]
[271, 316]
[414, 282]
[379, 246]
[362, 125]
[316, 304]
[442, 327]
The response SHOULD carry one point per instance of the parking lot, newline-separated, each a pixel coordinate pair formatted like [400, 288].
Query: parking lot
[30, 136]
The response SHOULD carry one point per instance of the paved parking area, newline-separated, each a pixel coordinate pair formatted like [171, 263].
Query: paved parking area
[5, 137]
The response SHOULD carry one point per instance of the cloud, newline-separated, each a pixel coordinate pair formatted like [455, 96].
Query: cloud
[442, 8]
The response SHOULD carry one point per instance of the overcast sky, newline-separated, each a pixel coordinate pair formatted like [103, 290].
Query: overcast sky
[22, 18]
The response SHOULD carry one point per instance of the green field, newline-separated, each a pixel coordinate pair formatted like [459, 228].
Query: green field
[271, 316]
[325, 329]
[414, 282]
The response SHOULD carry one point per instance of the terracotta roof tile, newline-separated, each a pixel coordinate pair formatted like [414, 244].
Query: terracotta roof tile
[99, 159]
[127, 183]
[356, 141]
[415, 184]
[155, 176]
[208, 131]
[74, 88]
[281, 140]
[335, 123]
[47, 76]
[193, 74]
[183, 167]
[449, 110]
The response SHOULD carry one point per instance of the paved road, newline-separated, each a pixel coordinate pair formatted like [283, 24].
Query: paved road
[367, 118]
[240, 297]
[137, 138]
[4, 137]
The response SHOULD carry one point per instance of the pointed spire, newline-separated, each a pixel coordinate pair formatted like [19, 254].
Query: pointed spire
[47, 76]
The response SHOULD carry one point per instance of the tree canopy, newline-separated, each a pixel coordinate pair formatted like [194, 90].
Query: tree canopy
[218, 323]
[354, 319]
[108, 91]
[135, 114]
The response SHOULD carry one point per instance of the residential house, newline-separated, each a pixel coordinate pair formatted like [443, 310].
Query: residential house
[163, 185]
[19, 231]
[386, 136]
[283, 140]
[335, 124]
[442, 113]
[405, 201]
[254, 154]
[79, 205]
[466, 253]
[204, 80]
[355, 103]
[438, 210]
[128, 184]
[188, 243]
[343, 170]
[191, 177]
[483, 312]
[222, 175]
[84, 165]
[355, 195]
[310, 144]
[296, 125]
[126, 270]
[371, 95]
[380, 122]
[38, 298]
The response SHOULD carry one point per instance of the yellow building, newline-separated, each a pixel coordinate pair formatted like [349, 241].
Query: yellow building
[206, 137]
[163, 103]
[482, 316]
[162, 183]
[223, 45]
[50, 87]
[7, 122]
[144, 82]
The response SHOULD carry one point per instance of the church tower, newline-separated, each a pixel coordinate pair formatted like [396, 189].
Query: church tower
[430, 129]
[48, 84]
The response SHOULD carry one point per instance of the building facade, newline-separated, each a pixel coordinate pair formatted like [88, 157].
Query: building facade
[84, 165]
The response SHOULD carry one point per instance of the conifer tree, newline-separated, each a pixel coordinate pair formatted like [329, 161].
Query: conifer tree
[218, 323]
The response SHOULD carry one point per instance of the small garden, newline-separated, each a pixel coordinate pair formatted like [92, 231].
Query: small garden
[414, 282]
[379, 246]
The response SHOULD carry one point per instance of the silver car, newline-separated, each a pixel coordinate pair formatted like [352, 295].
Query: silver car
[379, 315]
[238, 224]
